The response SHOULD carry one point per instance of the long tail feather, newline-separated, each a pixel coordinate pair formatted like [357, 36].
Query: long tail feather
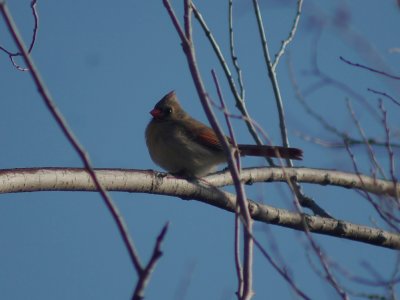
[271, 151]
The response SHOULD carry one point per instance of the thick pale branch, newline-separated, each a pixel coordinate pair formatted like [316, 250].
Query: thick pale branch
[75, 179]
[315, 176]
[64, 179]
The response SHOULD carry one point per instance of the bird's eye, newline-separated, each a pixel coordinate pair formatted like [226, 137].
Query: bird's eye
[168, 110]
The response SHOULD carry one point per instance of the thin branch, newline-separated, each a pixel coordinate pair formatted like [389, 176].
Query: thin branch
[384, 95]
[175, 21]
[340, 144]
[35, 26]
[289, 39]
[234, 168]
[376, 282]
[246, 276]
[367, 196]
[226, 115]
[365, 140]
[329, 276]
[188, 49]
[232, 49]
[326, 79]
[188, 21]
[260, 130]
[61, 122]
[388, 147]
[281, 271]
[12, 55]
[140, 181]
[296, 188]
[238, 265]
[325, 124]
[240, 103]
[273, 78]
[368, 68]
[304, 200]
[145, 275]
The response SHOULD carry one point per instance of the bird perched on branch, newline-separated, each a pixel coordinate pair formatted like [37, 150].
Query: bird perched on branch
[186, 147]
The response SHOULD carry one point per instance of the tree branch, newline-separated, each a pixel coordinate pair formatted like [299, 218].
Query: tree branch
[74, 179]
[189, 51]
[145, 275]
[72, 139]
[240, 103]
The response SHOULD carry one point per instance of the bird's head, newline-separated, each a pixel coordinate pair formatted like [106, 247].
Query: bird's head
[168, 108]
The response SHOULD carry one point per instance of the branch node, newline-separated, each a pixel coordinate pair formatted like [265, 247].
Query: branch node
[249, 181]
[341, 227]
[327, 179]
[252, 208]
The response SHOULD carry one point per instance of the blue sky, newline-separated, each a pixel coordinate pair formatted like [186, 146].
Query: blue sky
[106, 64]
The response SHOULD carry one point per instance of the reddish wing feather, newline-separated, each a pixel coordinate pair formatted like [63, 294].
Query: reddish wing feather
[202, 134]
[207, 137]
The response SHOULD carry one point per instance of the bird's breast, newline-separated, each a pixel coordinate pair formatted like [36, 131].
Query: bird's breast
[174, 150]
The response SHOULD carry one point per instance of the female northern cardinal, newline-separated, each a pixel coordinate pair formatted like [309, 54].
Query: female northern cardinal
[186, 147]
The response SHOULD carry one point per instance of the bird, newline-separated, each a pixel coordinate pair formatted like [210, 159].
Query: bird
[188, 148]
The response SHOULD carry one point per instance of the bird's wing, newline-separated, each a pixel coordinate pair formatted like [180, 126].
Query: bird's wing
[204, 135]
[207, 137]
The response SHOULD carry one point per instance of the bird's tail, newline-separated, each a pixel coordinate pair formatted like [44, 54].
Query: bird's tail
[271, 151]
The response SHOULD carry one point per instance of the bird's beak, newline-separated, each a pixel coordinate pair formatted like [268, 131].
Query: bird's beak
[156, 113]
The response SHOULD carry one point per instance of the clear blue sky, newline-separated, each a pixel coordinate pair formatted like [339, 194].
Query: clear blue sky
[106, 63]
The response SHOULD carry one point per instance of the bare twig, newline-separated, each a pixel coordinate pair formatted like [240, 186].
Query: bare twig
[240, 103]
[281, 271]
[257, 126]
[325, 79]
[36, 25]
[226, 115]
[368, 68]
[238, 265]
[325, 124]
[388, 147]
[365, 140]
[61, 122]
[146, 272]
[239, 269]
[296, 188]
[340, 144]
[12, 55]
[305, 200]
[367, 196]
[273, 79]
[289, 39]
[188, 49]
[377, 282]
[326, 267]
[384, 95]
[232, 49]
